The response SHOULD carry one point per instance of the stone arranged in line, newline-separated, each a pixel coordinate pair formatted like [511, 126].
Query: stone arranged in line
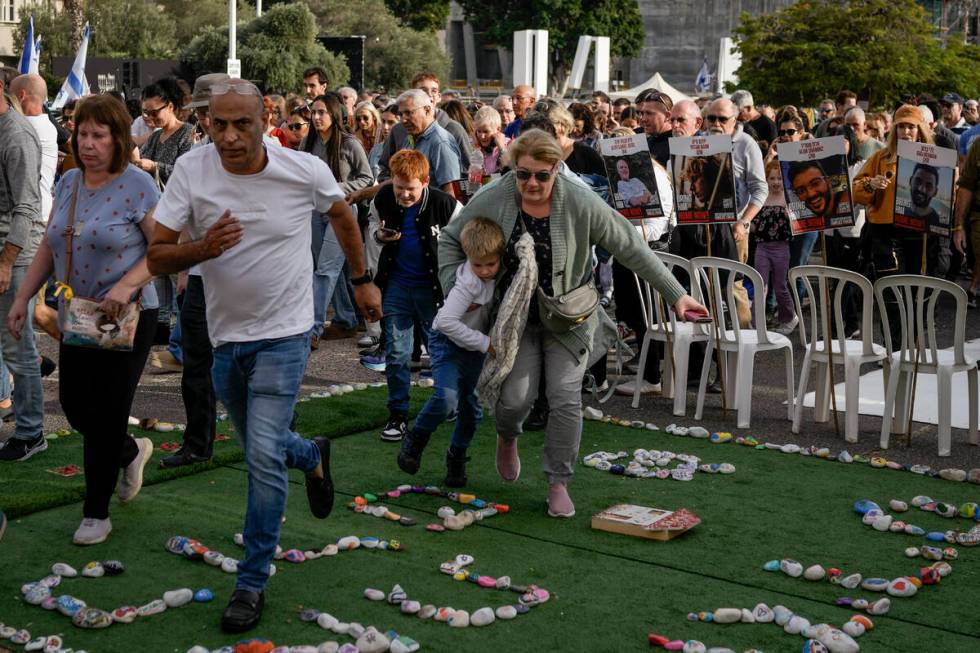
[476, 509]
[874, 516]
[652, 463]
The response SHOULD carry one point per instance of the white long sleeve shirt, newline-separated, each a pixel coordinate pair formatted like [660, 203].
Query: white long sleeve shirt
[465, 316]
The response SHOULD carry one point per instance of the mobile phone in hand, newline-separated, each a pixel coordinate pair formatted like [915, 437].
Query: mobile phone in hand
[388, 233]
[697, 316]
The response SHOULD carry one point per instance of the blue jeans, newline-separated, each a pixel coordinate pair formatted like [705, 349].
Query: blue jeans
[800, 248]
[174, 346]
[21, 358]
[403, 307]
[329, 261]
[258, 383]
[455, 371]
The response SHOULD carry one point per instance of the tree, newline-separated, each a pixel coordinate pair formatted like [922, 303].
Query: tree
[565, 21]
[75, 10]
[192, 16]
[393, 53]
[880, 49]
[131, 29]
[274, 49]
[422, 15]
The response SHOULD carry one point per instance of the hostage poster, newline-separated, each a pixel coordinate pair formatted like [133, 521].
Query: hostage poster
[632, 184]
[924, 188]
[818, 188]
[704, 179]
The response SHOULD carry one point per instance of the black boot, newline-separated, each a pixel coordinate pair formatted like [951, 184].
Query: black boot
[456, 459]
[410, 455]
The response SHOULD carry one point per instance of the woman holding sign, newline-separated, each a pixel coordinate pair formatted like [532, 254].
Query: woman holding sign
[565, 220]
[886, 249]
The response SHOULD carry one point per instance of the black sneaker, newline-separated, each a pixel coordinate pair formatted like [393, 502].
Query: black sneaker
[410, 455]
[182, 458]
[48, 366]
[319, 491]
[395, 430]
[243, 611]
[16, 449]
[456, 460]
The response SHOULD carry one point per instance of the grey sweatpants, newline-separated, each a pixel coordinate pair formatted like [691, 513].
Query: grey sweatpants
[563, 387]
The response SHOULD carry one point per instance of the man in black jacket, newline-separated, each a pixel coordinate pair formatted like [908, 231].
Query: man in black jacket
[406, 217]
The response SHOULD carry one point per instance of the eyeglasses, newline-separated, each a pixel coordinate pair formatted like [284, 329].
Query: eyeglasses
[407, 113]
[814, 186]
[241, 88]
[822, 110]
[721, 119]
[542, 176]
[362, 118]
[296, 126]
[787, 132]
[153, 113]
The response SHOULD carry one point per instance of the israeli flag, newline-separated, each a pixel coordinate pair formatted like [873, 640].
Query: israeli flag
[75, 85]
[703, 83]
[31, 52]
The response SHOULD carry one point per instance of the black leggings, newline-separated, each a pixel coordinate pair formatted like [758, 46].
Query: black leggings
[96, 390]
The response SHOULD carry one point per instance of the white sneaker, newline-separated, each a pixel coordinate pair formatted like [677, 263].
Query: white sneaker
[367, 341]
[132, 477]
[788, 327]
[92, 531]
[646, 388]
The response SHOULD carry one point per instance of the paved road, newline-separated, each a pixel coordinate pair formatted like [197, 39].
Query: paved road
[337, 361]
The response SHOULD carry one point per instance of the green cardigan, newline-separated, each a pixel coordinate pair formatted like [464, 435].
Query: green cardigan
[579, 220]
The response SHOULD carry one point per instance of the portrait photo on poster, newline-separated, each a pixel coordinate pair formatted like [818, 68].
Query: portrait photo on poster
[924, 179]
[816, 184]
[703, 178]
[632, 182]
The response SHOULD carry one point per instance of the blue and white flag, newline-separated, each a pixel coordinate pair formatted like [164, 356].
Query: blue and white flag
[75, 85]
[31, 52]
[703, 83]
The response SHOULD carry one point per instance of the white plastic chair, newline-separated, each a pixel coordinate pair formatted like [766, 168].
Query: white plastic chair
[917, 297]
[852, 354]
[742, 344]
[662, 325]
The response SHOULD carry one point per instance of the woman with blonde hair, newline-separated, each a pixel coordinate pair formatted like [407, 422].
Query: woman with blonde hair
[367, 125]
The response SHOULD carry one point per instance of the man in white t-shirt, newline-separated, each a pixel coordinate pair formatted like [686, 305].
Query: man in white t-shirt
[247, 210]
[32, 91]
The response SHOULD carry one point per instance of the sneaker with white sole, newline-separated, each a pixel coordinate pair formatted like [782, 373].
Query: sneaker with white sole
[92, 531]
[367, 341]
[16, 449]
[395, 430]
[787, 328]
[646, 388]
[132, 477]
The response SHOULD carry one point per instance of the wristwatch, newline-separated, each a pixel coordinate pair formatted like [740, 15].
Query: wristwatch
[363, 279]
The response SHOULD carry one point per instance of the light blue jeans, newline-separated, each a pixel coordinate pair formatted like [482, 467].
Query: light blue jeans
[329, 261]
[258, 383]
[21, 358]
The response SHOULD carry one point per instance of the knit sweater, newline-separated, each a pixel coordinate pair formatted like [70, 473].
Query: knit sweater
[579, 220]
[880, 203]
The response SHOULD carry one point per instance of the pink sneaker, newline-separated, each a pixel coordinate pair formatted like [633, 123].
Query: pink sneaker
[559, 503]
[508, 462]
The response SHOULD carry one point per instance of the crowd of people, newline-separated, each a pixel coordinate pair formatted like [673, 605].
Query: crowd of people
[244, 228]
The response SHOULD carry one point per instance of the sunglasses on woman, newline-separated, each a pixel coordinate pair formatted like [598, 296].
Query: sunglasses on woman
[296, 126]
[787, 132]
[542, 176]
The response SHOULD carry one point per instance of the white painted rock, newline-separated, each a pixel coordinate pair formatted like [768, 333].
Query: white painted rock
[837, 641]
[372, 594]
[698, 432]
[371, 641]
[763, 614]
[482, 617]
[852, 581]
[791, 568]
[229, 566]
[93, 570]
[459, 619]
[902, 587]
[815, 572]
[898, 506]
[326, 621]
[782, 615]
[958, 475]
[796, 625]
[410, 607]
[912, 552]
[694, 646]
[591, 414]
[63, 569]
[341, 628]
[348, 543]
[445, 511]
[747, 616]
[882, 523]
[403, 644]
[790, 448]
[727, 615]
[328, 647]
[853, 628]
[177, 598]
[506, 612]
[880, 607]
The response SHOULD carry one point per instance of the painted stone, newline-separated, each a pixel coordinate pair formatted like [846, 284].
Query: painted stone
[482, 617]
[113, 567]
[177, 598]
[403, 644]
[782, 615]
[93, 570]
[837, 641]
[880, 607]
[410, 607]
[124, 615]
[152, 608]
[397, 595]
[763, 614]
[326, 621]
[727, 615]
[874, 584]
[371, 641]
[63, 569]
[852, 581]
[459, 619]
[348, 543]
[506, 612]
[814, 573]
[92, 618]
[69, 605]
[373, 594]
[203, 595]
[427, 611]
[229, 566]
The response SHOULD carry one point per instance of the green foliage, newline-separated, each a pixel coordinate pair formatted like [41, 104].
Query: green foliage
[131, 28]
[393, 53]
[565, 21]
[880, 49]
[274, 49]
[423, 15]
[193, 16]
[55, 31]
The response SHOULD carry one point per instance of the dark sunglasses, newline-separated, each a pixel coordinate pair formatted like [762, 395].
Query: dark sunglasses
[714, 118]
[543, 176]
[787, 132]
[296, 126]
[153, 113]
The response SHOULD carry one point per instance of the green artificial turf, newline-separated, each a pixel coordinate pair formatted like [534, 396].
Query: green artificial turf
[608, 591]
[28, 486]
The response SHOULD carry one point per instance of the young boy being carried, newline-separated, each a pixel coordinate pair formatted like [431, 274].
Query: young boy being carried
[458, 344]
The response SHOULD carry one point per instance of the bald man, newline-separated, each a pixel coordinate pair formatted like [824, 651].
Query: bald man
[524, 97]
[32, 92]
[247, 210]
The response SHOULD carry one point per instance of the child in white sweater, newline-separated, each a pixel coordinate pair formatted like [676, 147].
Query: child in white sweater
[458, 344]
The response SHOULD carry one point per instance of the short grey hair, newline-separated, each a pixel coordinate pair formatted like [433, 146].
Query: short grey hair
[419, 97]
[347, 89]
[926, 114]
[742, 99]
[497, 101]
[857, 112]
[487, 116]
